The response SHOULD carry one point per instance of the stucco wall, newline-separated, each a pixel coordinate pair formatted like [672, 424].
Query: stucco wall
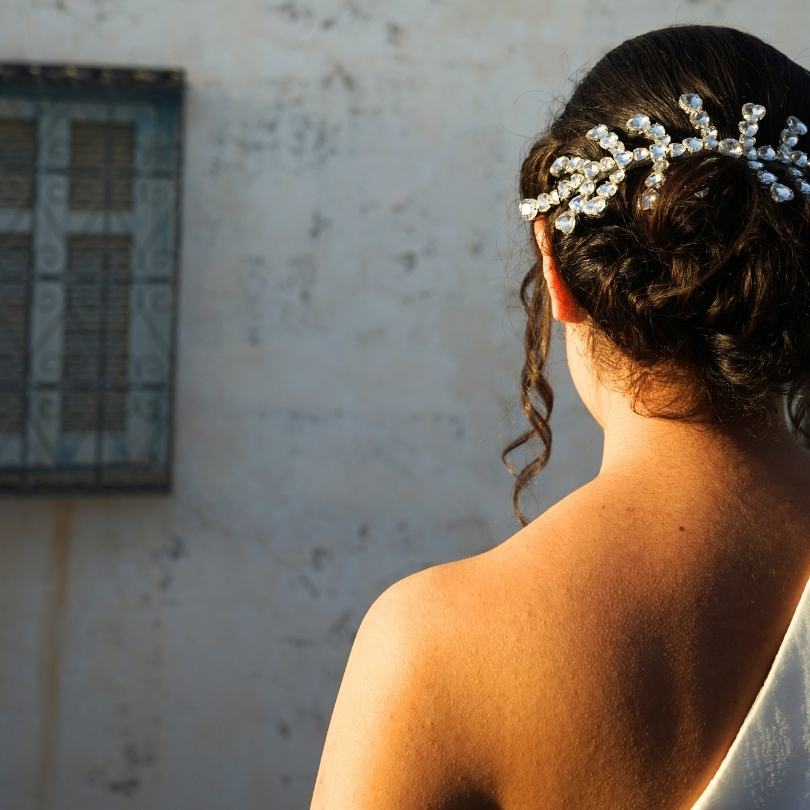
[349, 349]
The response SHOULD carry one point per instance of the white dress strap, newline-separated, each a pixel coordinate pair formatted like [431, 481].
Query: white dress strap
[768, 764]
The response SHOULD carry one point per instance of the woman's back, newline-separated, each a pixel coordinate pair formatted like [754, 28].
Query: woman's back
[607, 655]
[623, 636]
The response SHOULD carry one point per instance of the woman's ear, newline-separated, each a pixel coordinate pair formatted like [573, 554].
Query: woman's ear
[563, 306]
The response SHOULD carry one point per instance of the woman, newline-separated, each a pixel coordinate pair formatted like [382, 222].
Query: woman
[608, 654]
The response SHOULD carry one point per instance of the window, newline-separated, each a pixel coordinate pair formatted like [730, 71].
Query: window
[90, 164]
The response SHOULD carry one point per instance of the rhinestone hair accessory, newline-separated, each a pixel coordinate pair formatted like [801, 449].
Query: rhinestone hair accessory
[587, 185]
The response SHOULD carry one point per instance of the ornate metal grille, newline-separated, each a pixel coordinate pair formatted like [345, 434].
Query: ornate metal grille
[90, 171]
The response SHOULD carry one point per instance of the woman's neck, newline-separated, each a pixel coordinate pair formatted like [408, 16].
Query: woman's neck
[672, 449]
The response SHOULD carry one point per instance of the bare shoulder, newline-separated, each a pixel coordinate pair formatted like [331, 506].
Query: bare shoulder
[566, 628]
[555, 664]
[398, 736]
[619, 639]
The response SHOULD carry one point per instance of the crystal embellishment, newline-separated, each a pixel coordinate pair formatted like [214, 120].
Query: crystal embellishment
[592, 168]
[638, 124]
[559, 165]
[730, 146]
[529, 209]
[594, 206]
[586, 184]
[607, 189]
[648, 199]
[795, 125]
[690, 101]
[565, 221]
[781, 193]
[753, 112]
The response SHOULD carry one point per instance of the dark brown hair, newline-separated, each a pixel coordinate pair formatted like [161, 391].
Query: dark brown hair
[708, 294]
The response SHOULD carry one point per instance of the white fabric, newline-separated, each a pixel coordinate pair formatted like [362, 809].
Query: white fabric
[768, 764]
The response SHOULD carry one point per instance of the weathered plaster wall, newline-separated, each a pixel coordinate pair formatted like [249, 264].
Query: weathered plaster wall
[348, 366]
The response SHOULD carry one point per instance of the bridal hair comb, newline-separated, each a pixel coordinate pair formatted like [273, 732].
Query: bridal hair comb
[588, 184]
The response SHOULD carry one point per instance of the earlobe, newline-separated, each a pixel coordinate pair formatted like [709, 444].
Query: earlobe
[563, 306]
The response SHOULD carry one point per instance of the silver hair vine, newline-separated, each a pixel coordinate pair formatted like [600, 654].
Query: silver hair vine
[589, 184]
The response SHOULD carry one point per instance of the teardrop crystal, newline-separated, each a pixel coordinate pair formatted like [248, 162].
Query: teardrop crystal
[690, 101]
[796, 125]
[528, 208]
[638, 124]
[648, 199]
[788, 138]
[700, 119]
[730, 146]
[599, 131]
[609, 140]
[565, 222]
[594, 206]
[587, 187]
[753, 112]
[558, 166]
[592, 168]
[607, 189]
[781, 193]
